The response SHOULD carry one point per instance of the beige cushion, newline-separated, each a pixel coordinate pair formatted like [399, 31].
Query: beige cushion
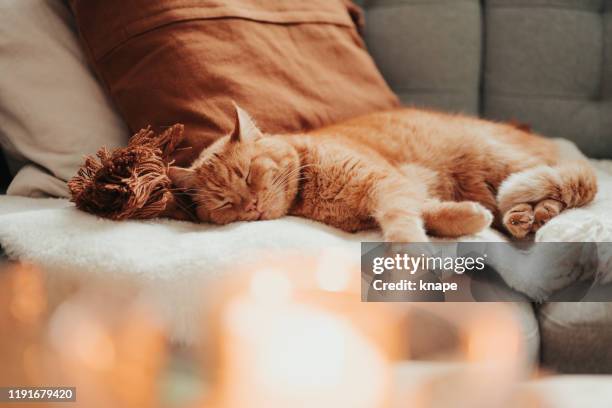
[52, 109]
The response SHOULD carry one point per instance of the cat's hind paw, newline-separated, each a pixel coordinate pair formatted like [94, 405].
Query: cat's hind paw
[524, 219]
[544, 211]
[404, 236]
[519, 220]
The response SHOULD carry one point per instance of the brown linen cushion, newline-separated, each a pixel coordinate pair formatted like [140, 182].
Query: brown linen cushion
[294, 64]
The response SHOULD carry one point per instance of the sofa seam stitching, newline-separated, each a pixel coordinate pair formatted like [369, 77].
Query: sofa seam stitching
[545, 7]
[566, 97]
[426, 3]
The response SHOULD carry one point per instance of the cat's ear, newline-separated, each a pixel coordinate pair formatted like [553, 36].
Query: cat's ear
[181, 177]
[244, 126]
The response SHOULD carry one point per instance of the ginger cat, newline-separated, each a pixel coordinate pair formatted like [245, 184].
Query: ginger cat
[408, 171]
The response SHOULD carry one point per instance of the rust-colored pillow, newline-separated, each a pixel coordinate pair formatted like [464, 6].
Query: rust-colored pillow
[294, 64]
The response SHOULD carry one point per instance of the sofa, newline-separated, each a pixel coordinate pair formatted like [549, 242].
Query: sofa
[546, 63]
[543, 63]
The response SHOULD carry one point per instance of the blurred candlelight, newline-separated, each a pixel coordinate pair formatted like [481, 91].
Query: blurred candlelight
[23, 307]
[28, 301]
[487, 366]
[111, 351]
[287, 333]
[334, 274]
[294, 333]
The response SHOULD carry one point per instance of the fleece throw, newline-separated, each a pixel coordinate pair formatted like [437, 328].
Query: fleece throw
[172, 262]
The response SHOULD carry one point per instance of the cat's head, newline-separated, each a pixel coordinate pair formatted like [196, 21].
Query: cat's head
[244, 176]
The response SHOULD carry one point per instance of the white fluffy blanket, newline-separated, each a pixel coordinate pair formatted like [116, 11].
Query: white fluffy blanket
[171, 262]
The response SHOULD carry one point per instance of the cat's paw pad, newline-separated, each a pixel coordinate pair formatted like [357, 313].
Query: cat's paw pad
[519, 220]
[544, 211]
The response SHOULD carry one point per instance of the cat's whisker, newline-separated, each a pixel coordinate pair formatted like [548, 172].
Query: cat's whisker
[281, 187]
[289, 175]
[288, 172]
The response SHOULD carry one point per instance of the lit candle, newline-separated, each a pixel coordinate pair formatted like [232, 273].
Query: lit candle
[294, 333]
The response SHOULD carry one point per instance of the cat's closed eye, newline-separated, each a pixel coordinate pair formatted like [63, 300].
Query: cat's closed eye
[248, 176]
[238, 172]
[243, 174]
[224, 205]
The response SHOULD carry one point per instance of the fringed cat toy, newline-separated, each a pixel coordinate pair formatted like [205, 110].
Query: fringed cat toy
[132, 181]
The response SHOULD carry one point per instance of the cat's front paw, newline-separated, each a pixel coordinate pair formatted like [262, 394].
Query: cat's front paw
[403, 235]
[455, 219]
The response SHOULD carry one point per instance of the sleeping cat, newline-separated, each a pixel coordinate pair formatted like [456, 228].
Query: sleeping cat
[408, 171]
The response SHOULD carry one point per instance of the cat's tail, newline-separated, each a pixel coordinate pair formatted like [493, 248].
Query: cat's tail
[572, 184]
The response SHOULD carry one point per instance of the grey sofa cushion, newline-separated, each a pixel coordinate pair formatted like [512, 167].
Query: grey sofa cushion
[576, 337]
[547, 63]
[428, 51]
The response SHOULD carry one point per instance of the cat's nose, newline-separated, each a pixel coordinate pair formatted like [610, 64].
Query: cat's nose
[251, 205]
